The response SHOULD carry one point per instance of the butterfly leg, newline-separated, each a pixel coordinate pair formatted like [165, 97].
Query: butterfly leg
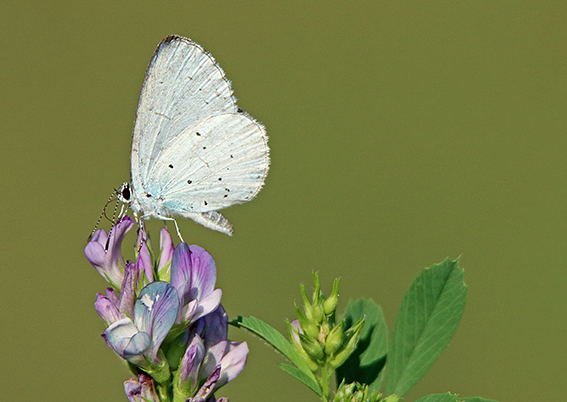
[166, 218]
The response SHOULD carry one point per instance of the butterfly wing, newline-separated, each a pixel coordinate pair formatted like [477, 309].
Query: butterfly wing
[183, 86]
[219, 162]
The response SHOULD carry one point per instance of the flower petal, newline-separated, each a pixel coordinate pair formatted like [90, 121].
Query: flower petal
[207, 305]
[138, 346]
[208, 386]
[128, 290]
[204, 273]
[106, 309]
[216, 331]
[297, 326]
[119, 334]
[166, 247]
[191, 361]
[155, 311]
[138, 349]
[233, 362]
[103, 251]
[216, 327]
[187, 312]
[141, 389]
[112, 296]
[144, 260]
[181, 269]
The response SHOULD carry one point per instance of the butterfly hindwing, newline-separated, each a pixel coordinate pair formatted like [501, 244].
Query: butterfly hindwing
[218, 163]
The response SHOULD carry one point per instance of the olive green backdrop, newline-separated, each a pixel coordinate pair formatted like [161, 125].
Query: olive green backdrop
[401, 133]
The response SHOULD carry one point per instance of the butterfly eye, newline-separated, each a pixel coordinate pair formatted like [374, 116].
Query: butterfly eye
[126, 193]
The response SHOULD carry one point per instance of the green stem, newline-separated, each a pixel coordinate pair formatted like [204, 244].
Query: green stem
[324, 383]
[162, 390]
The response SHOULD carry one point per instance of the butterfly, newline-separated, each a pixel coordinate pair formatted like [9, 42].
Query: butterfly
[194, 151]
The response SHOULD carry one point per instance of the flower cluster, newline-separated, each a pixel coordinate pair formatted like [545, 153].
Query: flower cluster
[164, 317]
[322, 344]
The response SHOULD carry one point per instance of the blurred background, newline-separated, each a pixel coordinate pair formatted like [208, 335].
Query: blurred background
[401, 133]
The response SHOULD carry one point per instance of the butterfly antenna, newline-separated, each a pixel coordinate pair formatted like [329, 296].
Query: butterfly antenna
[114, 218]
[145, 237]
[103, 213]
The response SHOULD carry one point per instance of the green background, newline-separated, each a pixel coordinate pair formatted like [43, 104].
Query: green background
[401, 133]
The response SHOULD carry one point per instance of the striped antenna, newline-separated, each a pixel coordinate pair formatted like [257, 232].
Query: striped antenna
[103, 213]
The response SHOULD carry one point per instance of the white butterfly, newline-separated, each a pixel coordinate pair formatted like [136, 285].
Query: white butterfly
[193, 150]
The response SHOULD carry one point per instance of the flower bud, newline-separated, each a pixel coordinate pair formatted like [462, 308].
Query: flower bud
[323, 332]
[335, 339]
[306, 305]
[351, 338]
[343, 391]
[141, 387]
[318, 313]
[355, 392]
[309, 327]
[296, 343]
[317, 289]
[159, 372]
[312, 347]
[331, 303]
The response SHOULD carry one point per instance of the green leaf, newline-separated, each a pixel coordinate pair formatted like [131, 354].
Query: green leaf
[301, 376]
[365, 364]
[475, 399]
[429, 315]
[439, 398]
[278, 342]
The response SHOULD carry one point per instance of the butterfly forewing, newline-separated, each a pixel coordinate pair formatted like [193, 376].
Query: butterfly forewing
[183, 86]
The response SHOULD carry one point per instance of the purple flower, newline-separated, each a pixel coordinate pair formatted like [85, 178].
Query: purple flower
[138, 341]
[230, 356]
[149, 327]
[141, 389]
[211, 360]
[144, 259]
[166, 247]
[193, 274]
[112, 308]
[103, 251]
[298, 330]
[107, 307]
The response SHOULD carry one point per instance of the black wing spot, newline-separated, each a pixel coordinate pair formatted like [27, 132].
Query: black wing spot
[220, 178]
[198, 134]
[148, 195]
[204, 147]
[206, 203]
[226, 195]
[170, 166]
[231, 156]
[238, 110]
[189, 181]
[227, 190]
